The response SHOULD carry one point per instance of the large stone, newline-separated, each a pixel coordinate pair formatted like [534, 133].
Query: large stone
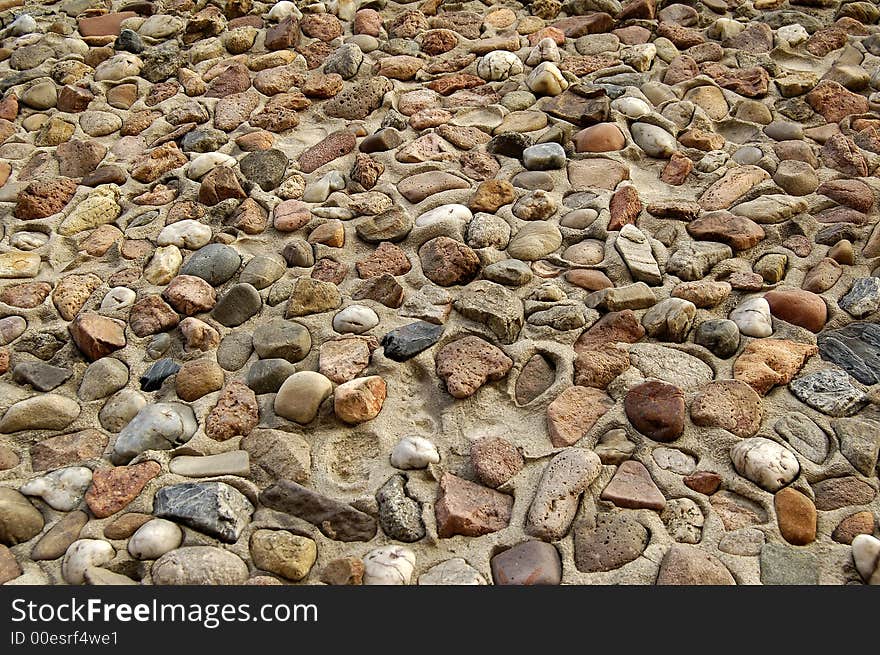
[765, 363]
[199, 565]
[493, 305]
[728, 404]
[764, 462]
[616, 540]
[656, 409]
[468, 363]
[465, 508]
[830, 392]
[558, 493]
[19, 520]
[684, 564]
[214, 508]
[336, 520]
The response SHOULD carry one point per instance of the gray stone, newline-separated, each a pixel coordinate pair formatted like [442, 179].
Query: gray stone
[616, 540]
[102, 378]
[635, 249]
[693, 261]
[670, 319]
[214, 508]
[267, 375]
[41, 376]
[544, 157]
[859, 442]
[276, 455]
[830, 392]
[804, 435]
[154, 376]
[493, 305]
[263, 270]
[237, 305]
[234, 350]
[746, 542]
[282, 338]
[786, 565]
[336, 520]
[406, 342]
[265, 168]
[400, 516]
[455, 571]
[855, 348]
[214, 263]
[160, 426]
[863, 297]
[511, 272]
[345, 61]
[719, 336]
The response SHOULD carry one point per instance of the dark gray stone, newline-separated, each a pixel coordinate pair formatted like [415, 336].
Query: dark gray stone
[204, 139]
[855, 348]
[281, 338]
[509, 144]
[859, 442]
[214, 263]
[336, 520]
[265, 167]
[830, 392]
[129, 41]
[214, 508]
[267, 375]
[41, 376]
[786, 565]
[154, 376]
[406, 342]
[399, 515]
[345, 61]
[238, 305]
[863, 297]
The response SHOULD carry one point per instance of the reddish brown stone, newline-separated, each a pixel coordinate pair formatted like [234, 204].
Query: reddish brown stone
[677, 169]
[74, 99]
[236, 413]
[495, 460]
[704, 482]
[468, 509]
[325, 27]
[529, 563]
[852, 526]
[67, 449]
[451, 83]
[656, 409]
[749, 82]
[598, 368]
[739, 232]
[834, 102]
[436, 42]
[103, 25]
[190, 295]
[26, 295]
[345, 570]
[841, 153]
[152, 165]
[446, 261]
[115, 487]
[151, 315]
[852, 193]
[336, 144]
[359, 400]
[43, 198]
[574, 413]
[219, 185]
[613, 327]
[97, 336]
[625, 207]
[386, 259]
[682, 37]
[798, 307]
[825, 41]
[126, 525]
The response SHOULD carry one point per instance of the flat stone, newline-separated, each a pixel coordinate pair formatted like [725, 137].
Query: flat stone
[632, 487]
[211, 507]
[859, 442]
[804, 435]
[830, 392]
[334, 519]
[468, 509]
[617, 539]
[784, 565]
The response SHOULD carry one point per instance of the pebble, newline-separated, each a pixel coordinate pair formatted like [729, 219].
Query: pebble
[154, 538]
[82, 555]
[199, 565]
[389, 565]
[301, 395]
[414, 452]
[765, 463]
[62, 489]
[529, 563]
[20, 521]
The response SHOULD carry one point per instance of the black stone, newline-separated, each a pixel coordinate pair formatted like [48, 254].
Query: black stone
[335, 520]
[509, 144]
[267, 375]
[129, 41]
[41, 376]
[406, 342]
[719, 336]
[214, 508]
[855, 348]
[154, 376]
